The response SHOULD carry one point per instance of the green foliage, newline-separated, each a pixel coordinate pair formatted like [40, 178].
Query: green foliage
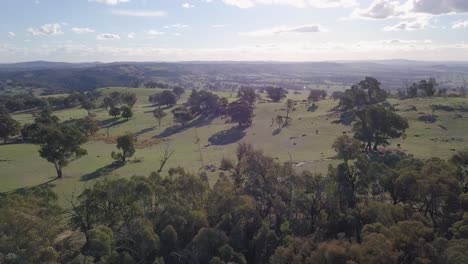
[126, 112]
[206, 243]
[203, 102]
[107, 102]
[87, 125]
[347, 148]
[114, 111]
[169, 240]
[165, 97]
[8, 126]
[178, 91]
[99, 242]
[276, 94]
[29, 223]
[129, 99]
[240, 112]
[20, 101]
[125, 143]
[88, 105]
[372, 207]
[58, 143]
[366, 92]
[144, 242]
[247, 94]
[376, 125]
[159, 114]
[316, 95]
[460, 228]
[182, 115]
[422, 88]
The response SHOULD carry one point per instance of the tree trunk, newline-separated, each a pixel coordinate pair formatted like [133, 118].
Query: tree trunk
[59, 172]
[5, 140]
[376, 144]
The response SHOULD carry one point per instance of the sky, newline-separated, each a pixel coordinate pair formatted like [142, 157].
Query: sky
[233, 30]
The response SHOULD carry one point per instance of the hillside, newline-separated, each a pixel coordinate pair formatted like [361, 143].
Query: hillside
[307, 141]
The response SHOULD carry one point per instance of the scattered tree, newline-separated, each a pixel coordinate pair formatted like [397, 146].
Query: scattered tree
[178, 91]
[279, 121]
[8, 126]
[241, 112]
[129, 99]
[247, 94]
[159, 114]
[60, 144]
[88, 105]
[107, 103]
[165, 97]
[366, 92]
[316, 95]
[165, 156]
[87, 125]
[114, 111]
[126, 144]
[276, 94]
[126, 112]
[376, 125]
[182, 115]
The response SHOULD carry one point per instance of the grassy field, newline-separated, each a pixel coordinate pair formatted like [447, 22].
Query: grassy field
[308, 140]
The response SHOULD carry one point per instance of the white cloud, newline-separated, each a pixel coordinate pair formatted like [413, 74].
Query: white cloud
[178, 26]
[437, 7]
[418, 24]
[294, 3]
[109, 2]
[187, 5]
[139, 13]
[107, 36]
[131, 35]
[313, 28]
[383, 9]
[79, 30]
[12, 34]
[460, 24]
[153, 32]
[218, 26]
[47, 29]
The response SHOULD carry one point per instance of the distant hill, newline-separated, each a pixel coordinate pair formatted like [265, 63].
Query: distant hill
[38, 65]
[393, 74]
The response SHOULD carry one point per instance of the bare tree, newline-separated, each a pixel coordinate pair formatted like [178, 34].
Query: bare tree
[165, 156]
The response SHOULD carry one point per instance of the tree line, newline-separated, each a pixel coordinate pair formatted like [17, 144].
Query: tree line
[386, 208]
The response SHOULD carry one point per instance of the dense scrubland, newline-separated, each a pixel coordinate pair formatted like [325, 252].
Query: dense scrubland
[164, 174]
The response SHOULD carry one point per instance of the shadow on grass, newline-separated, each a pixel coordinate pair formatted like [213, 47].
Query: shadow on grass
[226, 137]
[112, 122]
[26, 190]
[200, 121]
[102, 171]
[276, 132]
[156, 106]
[143, 131]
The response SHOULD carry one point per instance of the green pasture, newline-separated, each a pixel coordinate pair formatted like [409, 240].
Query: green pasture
[307, 141]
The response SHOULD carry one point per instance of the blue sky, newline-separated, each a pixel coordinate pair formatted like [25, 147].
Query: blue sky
[185, 30]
